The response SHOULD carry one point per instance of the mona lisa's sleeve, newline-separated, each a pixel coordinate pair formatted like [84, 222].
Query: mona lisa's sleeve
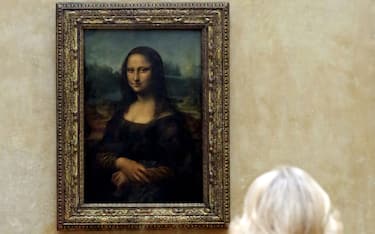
[106, 160]
[182, 155]
[174, 146]
[109, 148]
[178, 154]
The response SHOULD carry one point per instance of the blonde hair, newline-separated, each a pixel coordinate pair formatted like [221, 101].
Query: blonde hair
[286, 200]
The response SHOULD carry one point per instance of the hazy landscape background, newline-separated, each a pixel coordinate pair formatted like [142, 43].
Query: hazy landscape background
[180, 50]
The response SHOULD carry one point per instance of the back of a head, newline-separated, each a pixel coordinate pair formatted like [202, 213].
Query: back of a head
[286, 201]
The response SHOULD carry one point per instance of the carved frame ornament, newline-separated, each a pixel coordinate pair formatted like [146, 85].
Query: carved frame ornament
[212, 19]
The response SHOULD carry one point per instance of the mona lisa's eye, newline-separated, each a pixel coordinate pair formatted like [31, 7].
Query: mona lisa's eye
[144, 69]
[130, 70]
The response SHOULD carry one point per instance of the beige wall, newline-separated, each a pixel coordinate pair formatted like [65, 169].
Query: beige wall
[302, 93]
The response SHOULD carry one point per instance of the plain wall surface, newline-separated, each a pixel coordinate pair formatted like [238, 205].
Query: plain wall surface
[302, 93]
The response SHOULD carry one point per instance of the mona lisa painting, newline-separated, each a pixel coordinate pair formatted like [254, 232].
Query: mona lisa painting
[143, 115]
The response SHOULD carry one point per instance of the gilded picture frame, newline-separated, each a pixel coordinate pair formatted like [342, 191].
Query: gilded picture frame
[193, 42]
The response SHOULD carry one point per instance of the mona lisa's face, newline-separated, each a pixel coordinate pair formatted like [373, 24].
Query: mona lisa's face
[139, 73]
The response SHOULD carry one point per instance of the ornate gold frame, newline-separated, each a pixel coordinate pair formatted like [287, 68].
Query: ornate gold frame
[213, 21]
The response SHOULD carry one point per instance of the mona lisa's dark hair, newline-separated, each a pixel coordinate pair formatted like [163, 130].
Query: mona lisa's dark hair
[157, 86]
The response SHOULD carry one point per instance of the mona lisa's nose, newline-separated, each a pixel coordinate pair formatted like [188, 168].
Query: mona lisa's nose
[136, 76]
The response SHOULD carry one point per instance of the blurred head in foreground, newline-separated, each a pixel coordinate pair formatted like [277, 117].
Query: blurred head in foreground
[286, 200]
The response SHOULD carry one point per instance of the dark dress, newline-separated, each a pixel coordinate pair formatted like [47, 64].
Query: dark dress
[164, 142]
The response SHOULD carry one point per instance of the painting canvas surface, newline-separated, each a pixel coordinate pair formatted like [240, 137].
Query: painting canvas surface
[104, 54]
